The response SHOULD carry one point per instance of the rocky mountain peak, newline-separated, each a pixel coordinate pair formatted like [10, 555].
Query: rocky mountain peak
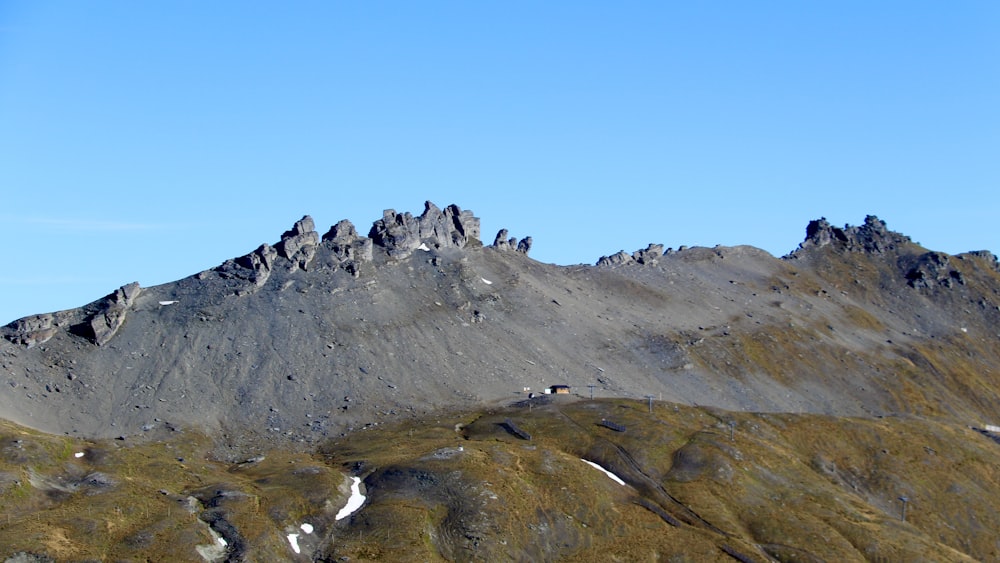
[872, 237]
[398, 234]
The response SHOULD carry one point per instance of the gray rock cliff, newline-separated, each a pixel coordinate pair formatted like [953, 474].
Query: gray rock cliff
[402, 233]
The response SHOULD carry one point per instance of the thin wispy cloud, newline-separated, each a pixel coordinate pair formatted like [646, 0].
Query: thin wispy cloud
[88, 225]
[49, 280]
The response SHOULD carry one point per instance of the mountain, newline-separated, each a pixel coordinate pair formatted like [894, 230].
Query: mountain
[322, 346]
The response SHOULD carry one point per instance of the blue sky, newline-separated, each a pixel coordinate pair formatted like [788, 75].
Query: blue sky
[146, 141]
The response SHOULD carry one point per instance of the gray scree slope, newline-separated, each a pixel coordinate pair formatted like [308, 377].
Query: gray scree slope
[316, 335]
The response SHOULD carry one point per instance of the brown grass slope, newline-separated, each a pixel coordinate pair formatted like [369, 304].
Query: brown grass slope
[702, 484]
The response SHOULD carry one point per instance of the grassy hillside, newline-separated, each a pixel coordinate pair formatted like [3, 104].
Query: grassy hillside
[702, 484]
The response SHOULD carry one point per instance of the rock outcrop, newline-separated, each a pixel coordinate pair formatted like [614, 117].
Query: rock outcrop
[913, 265]
[254, 268]
[501, 242]
[298, 245]
[347, 249]
[933, 269]
[102, 324]
[649, 255]
[872, 237]
[34, 330]
[619, 258]
[98, 322]
[402, 233]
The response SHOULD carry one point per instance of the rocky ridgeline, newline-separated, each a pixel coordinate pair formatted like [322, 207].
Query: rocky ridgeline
[98, 322]
[100, 326]
[37, 329]
[649, 255]
[921, 270]
[872, 236]
[398, 235]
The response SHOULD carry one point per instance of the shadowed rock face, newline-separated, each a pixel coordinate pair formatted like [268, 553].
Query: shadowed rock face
[315, 336]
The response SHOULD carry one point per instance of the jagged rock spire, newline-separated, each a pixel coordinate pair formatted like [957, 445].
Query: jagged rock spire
[402, 233]
[501, 242]
[872, 236]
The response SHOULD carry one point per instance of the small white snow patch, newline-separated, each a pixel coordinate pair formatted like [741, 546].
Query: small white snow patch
[307, 528]
[353, 503]
[165, 303]
[294, 540]
[78, 454]
[992, 428]
[609, 474]
[423, 246]
[222, 542]
[965, 329]
[486, 281]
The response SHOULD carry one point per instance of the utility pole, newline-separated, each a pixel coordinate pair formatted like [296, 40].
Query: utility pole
[732, 430]
[591, 391]
[650, 397]
[902, 515]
